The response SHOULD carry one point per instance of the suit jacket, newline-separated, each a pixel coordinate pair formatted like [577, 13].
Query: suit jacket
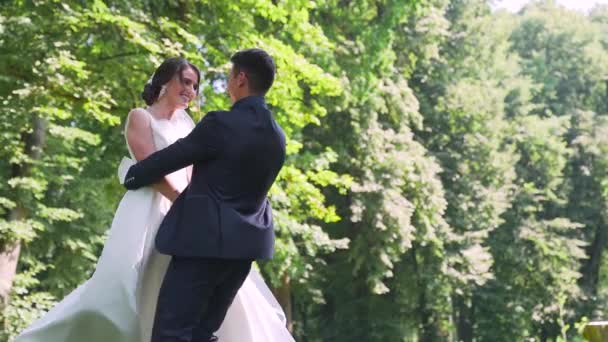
[224, 212]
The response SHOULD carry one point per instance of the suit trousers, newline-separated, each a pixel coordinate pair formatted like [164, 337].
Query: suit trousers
[195, 296]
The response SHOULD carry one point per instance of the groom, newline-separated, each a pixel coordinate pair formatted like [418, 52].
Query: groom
[223, 220]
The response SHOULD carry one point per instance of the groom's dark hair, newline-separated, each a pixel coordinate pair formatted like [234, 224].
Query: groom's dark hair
[258, 66]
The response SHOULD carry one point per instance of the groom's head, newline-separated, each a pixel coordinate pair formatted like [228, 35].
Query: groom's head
[252, 73]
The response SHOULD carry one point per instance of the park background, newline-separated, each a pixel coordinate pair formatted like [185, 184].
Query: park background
[447, 169]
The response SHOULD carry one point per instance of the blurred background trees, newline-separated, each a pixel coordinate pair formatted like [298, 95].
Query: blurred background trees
[447, 172]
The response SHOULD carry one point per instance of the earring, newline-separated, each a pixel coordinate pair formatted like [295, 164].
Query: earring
[162, 91]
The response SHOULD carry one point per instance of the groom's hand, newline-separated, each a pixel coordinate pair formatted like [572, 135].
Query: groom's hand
[130, 180]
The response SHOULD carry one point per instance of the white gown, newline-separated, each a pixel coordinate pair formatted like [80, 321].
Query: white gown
[118, 302]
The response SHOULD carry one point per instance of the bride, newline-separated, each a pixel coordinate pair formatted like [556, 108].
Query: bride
[118, 302]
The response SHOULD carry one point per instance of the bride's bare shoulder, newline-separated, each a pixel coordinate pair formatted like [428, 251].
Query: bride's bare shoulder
[138, 114]
[137, 117]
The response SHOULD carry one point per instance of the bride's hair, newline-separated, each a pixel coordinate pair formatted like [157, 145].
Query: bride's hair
[163, 74]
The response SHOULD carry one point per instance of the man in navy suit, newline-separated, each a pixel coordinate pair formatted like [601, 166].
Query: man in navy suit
[223, 220]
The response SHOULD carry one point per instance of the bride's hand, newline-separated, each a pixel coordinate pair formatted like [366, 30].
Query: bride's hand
[174, 196]
[166, 189]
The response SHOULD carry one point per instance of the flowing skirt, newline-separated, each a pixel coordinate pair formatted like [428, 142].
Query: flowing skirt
[118, 302]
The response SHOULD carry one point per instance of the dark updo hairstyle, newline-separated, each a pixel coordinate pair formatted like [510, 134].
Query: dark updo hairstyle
[163, 74]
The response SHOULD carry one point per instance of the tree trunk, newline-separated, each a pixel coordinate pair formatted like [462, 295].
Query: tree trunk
[8, 267]
[544, 335]
[591, 269]
[9, 255]
[9, 252]
[283, 295]
[464, 318]
[430, 332]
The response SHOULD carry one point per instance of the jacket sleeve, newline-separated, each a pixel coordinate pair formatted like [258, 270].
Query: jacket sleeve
[203, 143]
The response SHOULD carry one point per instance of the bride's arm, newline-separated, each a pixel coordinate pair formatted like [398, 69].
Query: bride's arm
[140, 140]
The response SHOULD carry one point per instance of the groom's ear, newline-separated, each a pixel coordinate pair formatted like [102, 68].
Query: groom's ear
[241, 78]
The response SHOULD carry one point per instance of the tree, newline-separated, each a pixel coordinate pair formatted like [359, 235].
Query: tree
[85, 65]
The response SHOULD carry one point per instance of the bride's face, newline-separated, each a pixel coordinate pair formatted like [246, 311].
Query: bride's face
[182, 90]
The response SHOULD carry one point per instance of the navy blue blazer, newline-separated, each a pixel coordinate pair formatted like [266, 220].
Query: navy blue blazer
[224, 212]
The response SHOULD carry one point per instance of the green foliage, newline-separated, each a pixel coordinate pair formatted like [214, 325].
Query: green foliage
[446, 176]
[85, 66]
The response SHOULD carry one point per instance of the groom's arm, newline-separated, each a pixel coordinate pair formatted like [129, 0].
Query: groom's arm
[204, 142]
[141, 143]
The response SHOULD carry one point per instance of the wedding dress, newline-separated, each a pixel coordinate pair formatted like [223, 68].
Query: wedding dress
[118, 302]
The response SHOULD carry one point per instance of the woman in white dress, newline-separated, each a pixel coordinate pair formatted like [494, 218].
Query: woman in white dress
[118, 302]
